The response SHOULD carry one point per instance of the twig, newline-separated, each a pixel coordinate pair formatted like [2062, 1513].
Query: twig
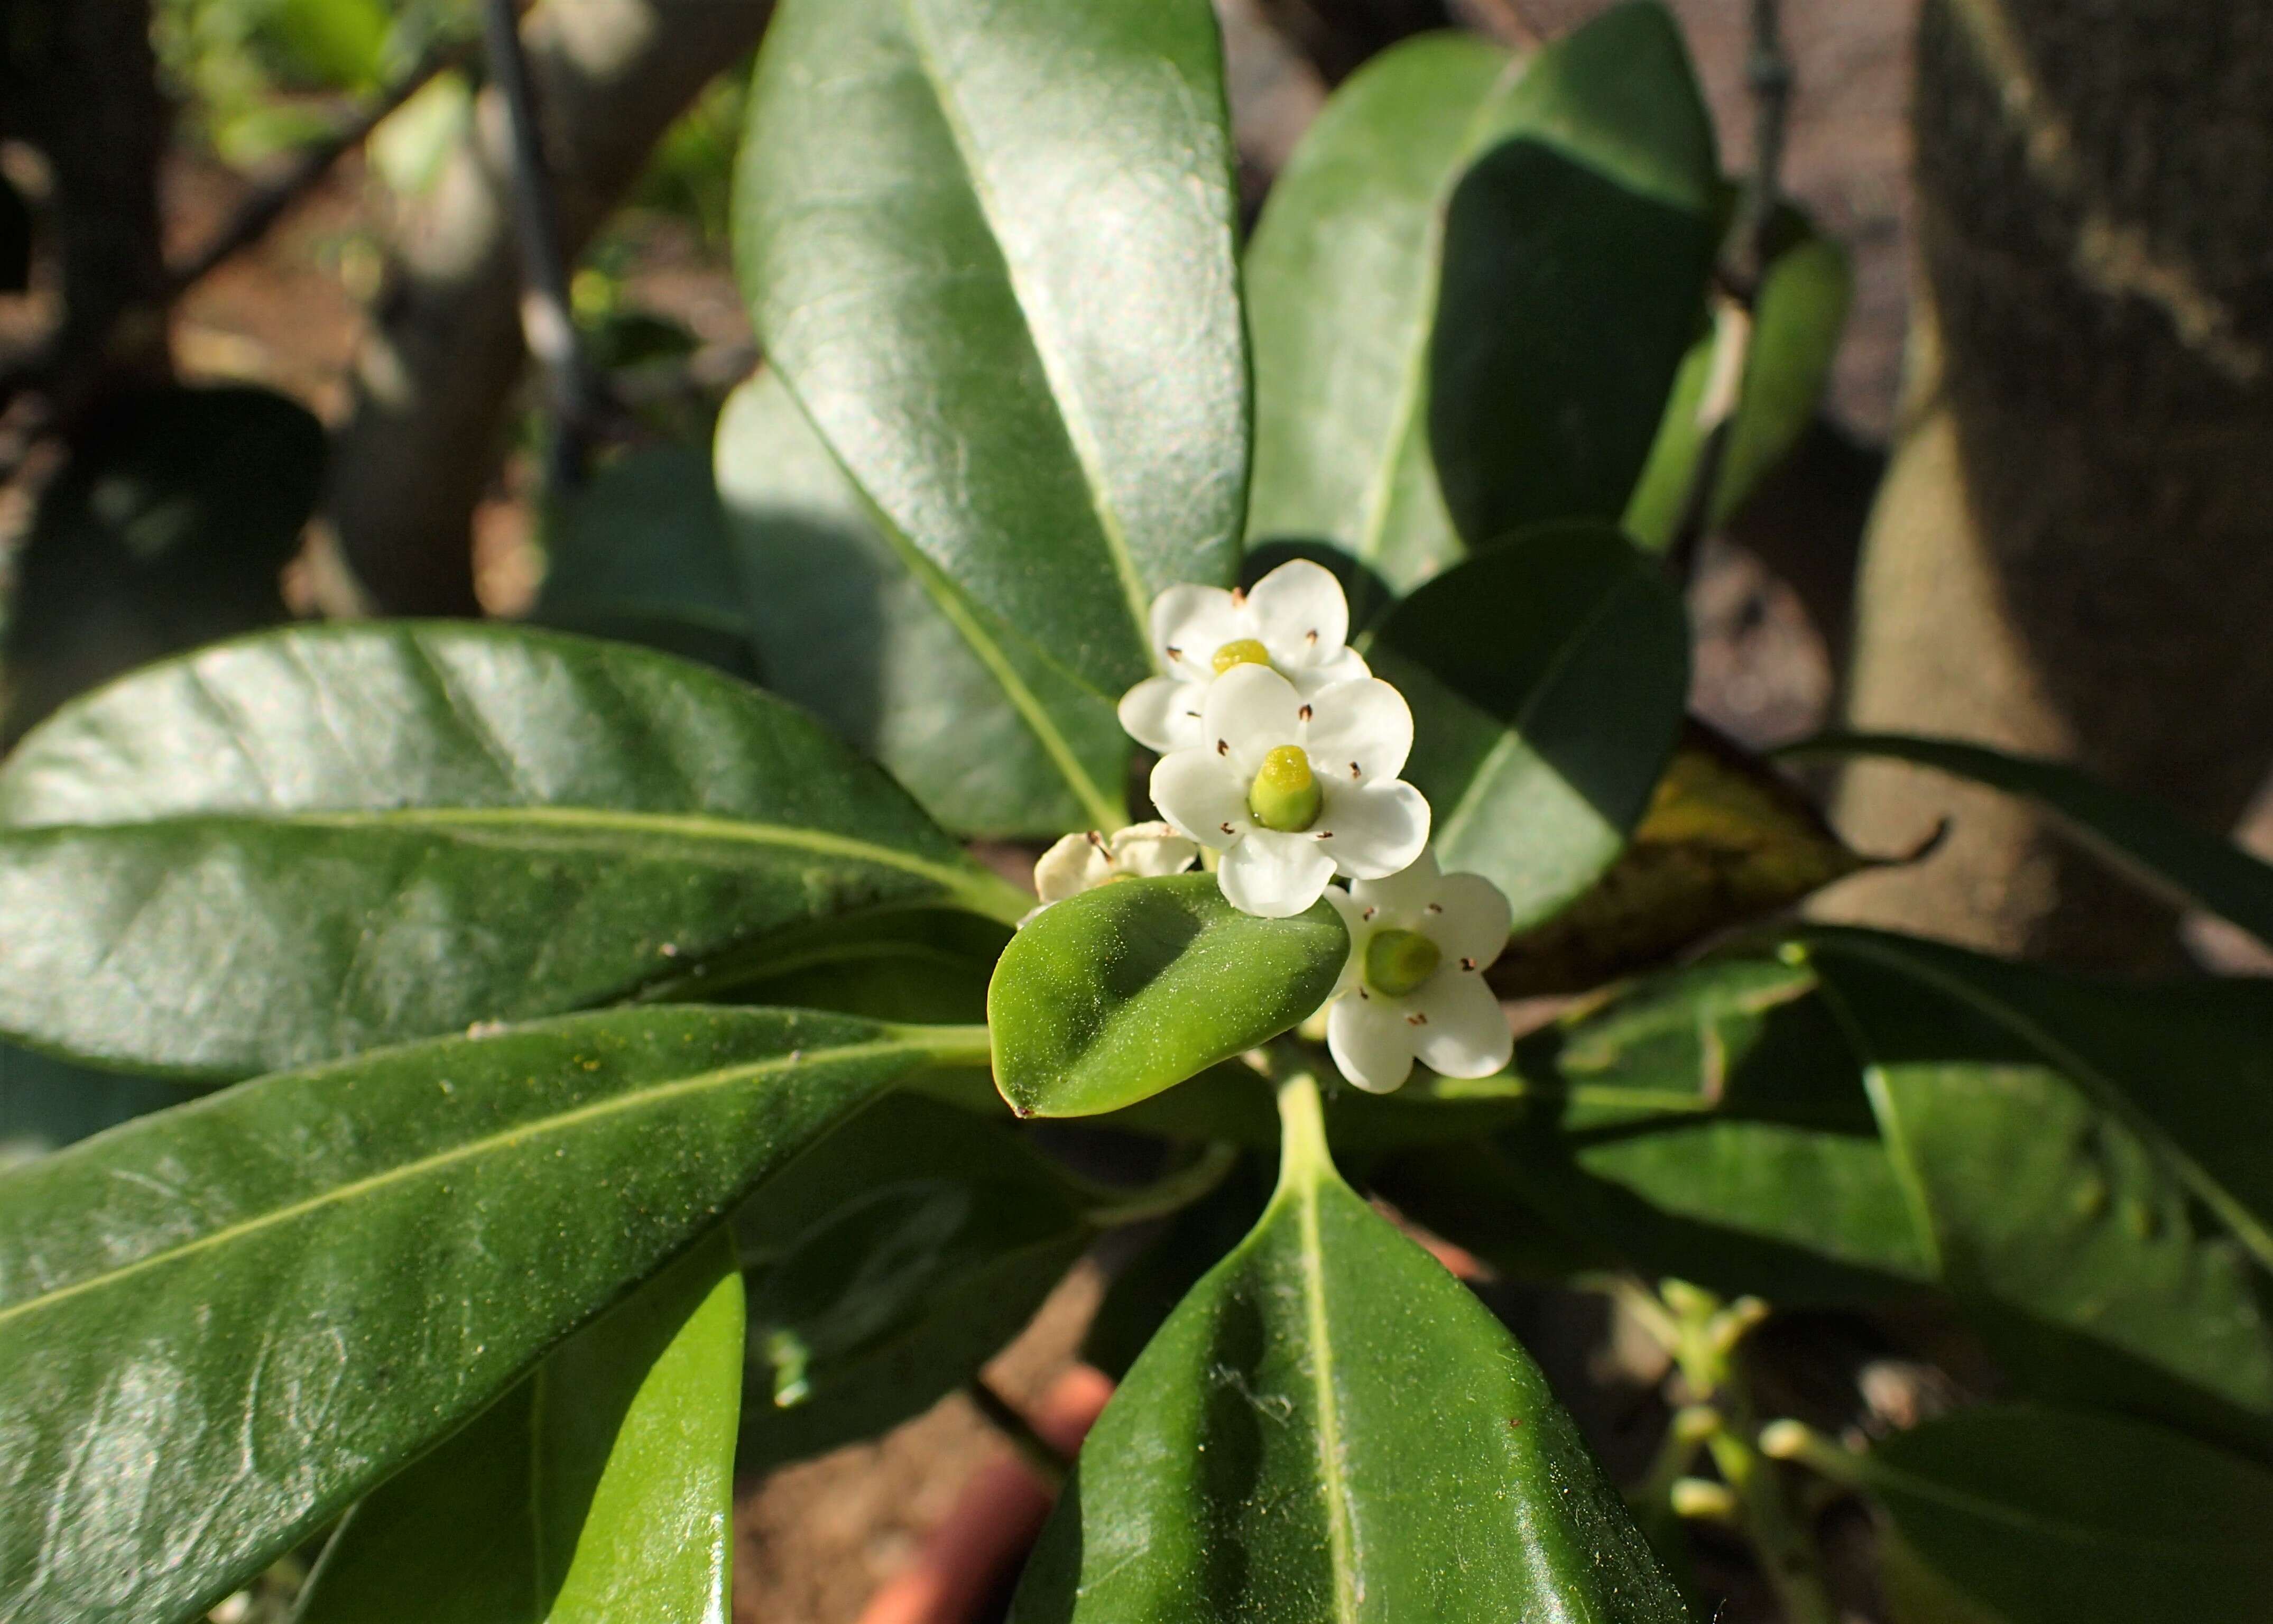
[1768, 70]
[580, 405]
[1011, 1422]
[266, 204]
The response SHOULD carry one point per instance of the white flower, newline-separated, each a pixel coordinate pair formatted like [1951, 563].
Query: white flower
[1085, 861]
[1296, 622]
[1414, 985]
[1292, 791]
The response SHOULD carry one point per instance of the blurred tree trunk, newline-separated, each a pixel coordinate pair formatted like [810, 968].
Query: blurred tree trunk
[436, 376]
[2073, 553]
[79, 82]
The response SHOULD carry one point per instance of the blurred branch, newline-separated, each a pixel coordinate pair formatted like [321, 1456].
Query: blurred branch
[1768, 70]
[268, 203]
[548, 322]
[436, 375]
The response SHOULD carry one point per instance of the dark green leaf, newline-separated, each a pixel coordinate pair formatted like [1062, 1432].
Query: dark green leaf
[1726, 840]
[847, 628]
[2187, 1067]
[2052, 1517]
[2141, 836]
[925, 964]
[1797, 315]
[886, 1267]
[254, 1309]
[166, 529]
[2070, 1245]
[46, 1103]
[599, 1488]
[641, 552]
[1149, 1286]
[1547, 678]
[320, 840]
[1351, 273]
[1329, 1427]
[1123, 991]
[991, 251]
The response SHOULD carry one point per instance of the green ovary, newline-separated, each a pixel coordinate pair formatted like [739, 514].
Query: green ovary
[1284, 794]
[1397, 961]
[1241, 652]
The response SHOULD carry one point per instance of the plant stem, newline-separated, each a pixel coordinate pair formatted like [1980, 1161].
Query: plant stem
[1170, 1193]
[1011, 1422]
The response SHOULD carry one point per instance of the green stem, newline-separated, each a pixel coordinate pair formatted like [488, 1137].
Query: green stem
[1170, 1193]
[952, 1046]
[1302, 1153]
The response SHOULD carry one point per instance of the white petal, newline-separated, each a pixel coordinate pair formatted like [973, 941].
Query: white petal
[1360, 732]
[1471, 921]
[1074, 864]
[1274, 875]
[1464, 1032]
[1163, 713]
[1374, 828]
[1326, 668]
[1150, 850]
[1202, 795]
[1251, 711]
[1189, 623]
[1299, 610]
[1360, 932]
[1401, 899]
[1371, 1041]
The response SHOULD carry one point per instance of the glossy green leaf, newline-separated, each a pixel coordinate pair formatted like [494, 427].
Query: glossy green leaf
[2138, 836]
[641, 552]
[313, 842]
[252, 1310]
[2053, 1517]
[1329, 1427]
[886, 1267]
[601, 1487]
[1547, 678]
[1797, 316]
[2065, 1238]
[2187, 1066]
[1726, 840]
[1716, 1129]
[990, 249]
[925, 964]
[1127, 990]
[165, 528]
[1351, 274]
[847, 628]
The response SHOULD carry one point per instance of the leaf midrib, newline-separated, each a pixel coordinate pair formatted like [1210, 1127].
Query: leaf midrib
[978, 888]
[616, 1104]
[1332, 1486]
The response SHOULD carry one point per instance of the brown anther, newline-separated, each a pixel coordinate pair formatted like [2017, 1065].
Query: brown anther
[1370, 913]
[1226, 828]
[1365, 995]
[1223, 746]
[1417, 1019]
[1326, 834]
[1435, 908]
[1238, 596]
[1175, 652]
[1304, 713]
[1094, 838]
[1354, 771]
[1311, 636]
[1467, 964]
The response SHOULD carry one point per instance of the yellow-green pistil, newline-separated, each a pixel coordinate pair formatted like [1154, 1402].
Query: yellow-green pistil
[1241, 652]
[1397, 961]
[1284, 794]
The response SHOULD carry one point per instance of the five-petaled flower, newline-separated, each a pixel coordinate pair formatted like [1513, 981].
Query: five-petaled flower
[1293, 790]
[1413, 988]
[1086, 860]
[1295, 621]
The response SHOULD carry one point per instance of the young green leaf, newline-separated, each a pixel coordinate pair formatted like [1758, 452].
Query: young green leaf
[2062, 1517]
[1348, 281]
[2067, 1242]
[1547, 679]
[1329, 1427]
[1127, 990]
[886, 1267]
[1797, 315]
[601, 1487]
[320, 840]
[2187, 1067]
[253, 1308]
[2138, 836]
[848, 630]
[991, 251]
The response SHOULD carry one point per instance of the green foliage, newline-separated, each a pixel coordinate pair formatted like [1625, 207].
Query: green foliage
[1120, 992]
[637, 1042]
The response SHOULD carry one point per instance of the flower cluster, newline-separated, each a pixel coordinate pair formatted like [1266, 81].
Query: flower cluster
[1279, 753]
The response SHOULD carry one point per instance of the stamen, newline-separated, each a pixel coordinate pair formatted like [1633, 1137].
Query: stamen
[1354, 770]
[1223, 746]
[1304, 714]
[1226, 828]
[1311, 636]
[1370, 913]
[1175, 652]
[1093, 838]
[1435, 908]
[1326, 834]
[1417, 1019]
[1239, 597]
[1467, 964]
